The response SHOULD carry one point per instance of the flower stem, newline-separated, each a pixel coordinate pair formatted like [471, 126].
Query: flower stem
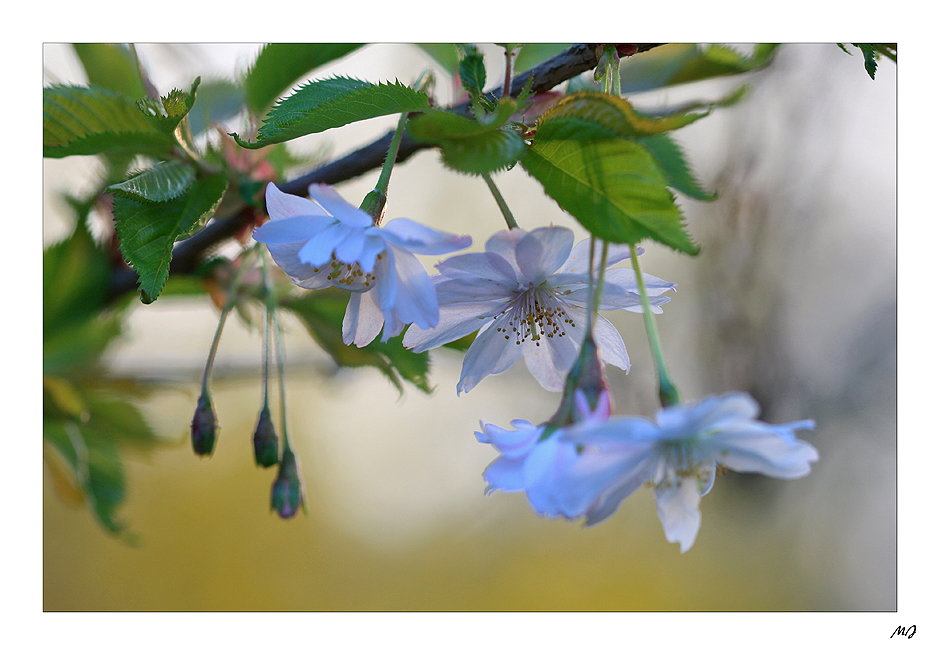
[668, 393]
[229, 304]
[503, 207]
[374, 202]
[280, 376]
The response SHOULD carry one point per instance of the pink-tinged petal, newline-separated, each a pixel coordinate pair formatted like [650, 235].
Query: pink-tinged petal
[327, 197]
[542, 251]
[677, 504]
[292, 229]
[282, 205]
[421, 239]
[393, 326]
[489, 354]
[768, 449]
[363, 320]
[610, 344]
[454, 323]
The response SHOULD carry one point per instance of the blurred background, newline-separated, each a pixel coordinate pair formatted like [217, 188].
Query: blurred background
[792, 299]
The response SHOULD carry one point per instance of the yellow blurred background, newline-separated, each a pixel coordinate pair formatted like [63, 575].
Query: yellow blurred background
[793, 298]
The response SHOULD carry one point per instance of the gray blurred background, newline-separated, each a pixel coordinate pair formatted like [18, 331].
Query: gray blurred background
[792, 299]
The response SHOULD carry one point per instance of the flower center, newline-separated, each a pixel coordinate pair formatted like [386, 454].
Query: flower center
[535, 313]
[347, 276]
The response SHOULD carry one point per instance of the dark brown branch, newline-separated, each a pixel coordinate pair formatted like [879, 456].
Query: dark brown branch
[572, 62]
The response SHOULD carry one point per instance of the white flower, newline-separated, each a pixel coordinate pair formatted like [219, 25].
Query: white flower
[527, 295]
[588, 468]
[325, 242]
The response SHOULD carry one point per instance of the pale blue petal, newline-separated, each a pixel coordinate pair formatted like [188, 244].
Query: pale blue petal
[280, 205]
[550, 359]
[542, 251]
[677, 504]
[304, 275]
[505, 475]
[421, 239]
[319, 250]
[457, 292]
[349, 249]
[455, 321]
[372, 247]
[292, 229]
[489, 354]
[761, 448]
[577, 260]
[487, 267]
[327, 197]
[503, 243]
[415, 297]
[363, 319]
[610, 344]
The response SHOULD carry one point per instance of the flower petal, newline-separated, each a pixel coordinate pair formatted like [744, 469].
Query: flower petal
[489, 354]
[280, 205]
[292, 229]
[540, 252]
[303, 275]
[363, 320]
[421, 239]
[486, 267]
[454, 322]
[327, 197]
[677, 504]
[768, 449]
[318, 250]
[415, 298]
[610, 344]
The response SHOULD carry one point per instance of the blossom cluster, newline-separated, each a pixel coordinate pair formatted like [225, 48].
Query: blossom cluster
[529, 295]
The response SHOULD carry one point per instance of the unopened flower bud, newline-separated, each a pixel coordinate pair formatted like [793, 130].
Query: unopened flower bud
[265, 440]
[374, 205]
[287, 494]
[204, 426]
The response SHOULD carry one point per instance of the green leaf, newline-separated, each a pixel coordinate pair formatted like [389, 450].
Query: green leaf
[148, 230]
[79, 120]
[681, 63]
[164, 115]
[75, 278]
[322, 313]
[279, 65]
[324, 104]
[614, 188]
[672, 162]
[110, 66]
[165, 181]
[217, 101]
[469, 146]
[608, 113]
[472, 71]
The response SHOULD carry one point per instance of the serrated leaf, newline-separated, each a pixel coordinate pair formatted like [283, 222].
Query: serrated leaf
[75, 278]
[672, 162]
[278, 65]
[165, 181]
[164, 115]
[614, 188]
[147, 230]
[472, 71]
[79, 120]
[470, 146]
[324, 104]
[613, 114]
[322, 313]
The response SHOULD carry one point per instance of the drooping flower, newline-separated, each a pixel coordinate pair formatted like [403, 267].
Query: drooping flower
[527, 295]
[325, 242]
[588, 468]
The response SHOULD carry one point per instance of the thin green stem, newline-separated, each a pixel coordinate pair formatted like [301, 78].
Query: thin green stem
[229, 304]
[386, 174]
[668, 393]
[503, 207]
[599, 284]
[280, 376]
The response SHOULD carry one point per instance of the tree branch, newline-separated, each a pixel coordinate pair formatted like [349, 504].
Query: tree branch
[572, 62]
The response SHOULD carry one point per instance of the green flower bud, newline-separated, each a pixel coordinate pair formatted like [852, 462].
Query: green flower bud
[204, 426]
[287, 494]
[265, 440]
